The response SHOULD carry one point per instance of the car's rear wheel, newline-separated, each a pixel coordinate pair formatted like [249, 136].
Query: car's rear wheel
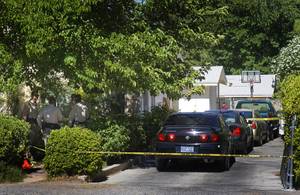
[224, 164]
[161, 164]
[244, 150]
[250, 148]
[267, 138]
[271, 135]
[260, 140]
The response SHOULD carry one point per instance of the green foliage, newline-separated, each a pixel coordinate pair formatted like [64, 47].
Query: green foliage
[152, 122]
[297, 26]
[288, 60]
[13, 139]
[10, 173]
[289, 95]
[254, 31]
[107, 45]
[67, 152]
[115, 138]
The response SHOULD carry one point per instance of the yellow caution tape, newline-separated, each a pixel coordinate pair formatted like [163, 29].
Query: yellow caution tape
[178, 154]
[263, 119]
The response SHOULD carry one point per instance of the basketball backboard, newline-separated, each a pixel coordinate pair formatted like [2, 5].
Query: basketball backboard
[252, 76]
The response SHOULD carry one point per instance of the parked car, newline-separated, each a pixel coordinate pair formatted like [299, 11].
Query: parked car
[241, 132]
[259, 127]
[200, 133]
[266, 110]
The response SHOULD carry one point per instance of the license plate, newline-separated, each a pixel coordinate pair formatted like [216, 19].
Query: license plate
[187, 149]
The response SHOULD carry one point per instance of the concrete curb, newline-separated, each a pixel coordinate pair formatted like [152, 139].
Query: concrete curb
[116, 168]
[38, 176]
[41, 175]
[109, 170]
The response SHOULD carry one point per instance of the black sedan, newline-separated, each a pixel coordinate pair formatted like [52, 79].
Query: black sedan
[242, 134]
[200, 133]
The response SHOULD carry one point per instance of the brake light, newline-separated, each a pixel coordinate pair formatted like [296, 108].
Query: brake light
[214, 138]
[236, 132]
[171, 137]
[253, 125]
[203, 138]
[161, 137]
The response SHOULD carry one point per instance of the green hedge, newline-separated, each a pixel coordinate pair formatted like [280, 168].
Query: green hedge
[132, 133]
[289, 95]
[14, 134]
[66, 152]
[10, 173]
[115, 138]
[130, 136]
[152, 122]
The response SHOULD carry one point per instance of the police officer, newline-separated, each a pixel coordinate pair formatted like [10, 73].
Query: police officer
[31, 109]
[29, 113]
[79, 113]
[49, 118]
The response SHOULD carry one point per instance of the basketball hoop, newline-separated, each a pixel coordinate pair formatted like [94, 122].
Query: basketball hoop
[251, 77]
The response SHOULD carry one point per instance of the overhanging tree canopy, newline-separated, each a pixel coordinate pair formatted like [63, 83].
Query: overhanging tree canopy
[106, 44]
[288, 60]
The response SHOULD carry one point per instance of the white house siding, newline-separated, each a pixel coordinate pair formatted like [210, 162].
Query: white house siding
[213, 92]
[209, 100]
[147, 102]
[194, 105]
[197, 103]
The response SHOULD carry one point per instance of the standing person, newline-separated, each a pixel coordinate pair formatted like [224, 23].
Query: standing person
[49, 118]
[79, 113]
[224, 106]
[29, 113]
[31, 109]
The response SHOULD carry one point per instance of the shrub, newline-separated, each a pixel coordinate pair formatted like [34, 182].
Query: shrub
[289, 95]
[152, 121]
[14, 135]
[10, 173]
[130, 128]
[115, 138]
[67, 152]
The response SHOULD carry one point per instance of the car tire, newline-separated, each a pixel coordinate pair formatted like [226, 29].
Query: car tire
[267, 139]
[271, 135]
[161, 164]
[225, 164]
[260, 140]
[244, 150]
[250, 148]
[232, 160]
[276, 133]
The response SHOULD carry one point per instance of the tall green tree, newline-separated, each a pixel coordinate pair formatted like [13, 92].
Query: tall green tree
[254, 31]
[288, 60]
[112, 45]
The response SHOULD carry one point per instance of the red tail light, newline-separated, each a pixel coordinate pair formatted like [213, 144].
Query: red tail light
[171, 137]
[253, 125]
[161, 137]
[203, 138]
[214, 138]
[236, 132]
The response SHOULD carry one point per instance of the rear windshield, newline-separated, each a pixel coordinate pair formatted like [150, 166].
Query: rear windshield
[192, 119]
[229, 117]
[261, 107]
[247, 114]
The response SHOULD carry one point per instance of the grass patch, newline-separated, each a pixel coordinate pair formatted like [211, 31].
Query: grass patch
[10, 173]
